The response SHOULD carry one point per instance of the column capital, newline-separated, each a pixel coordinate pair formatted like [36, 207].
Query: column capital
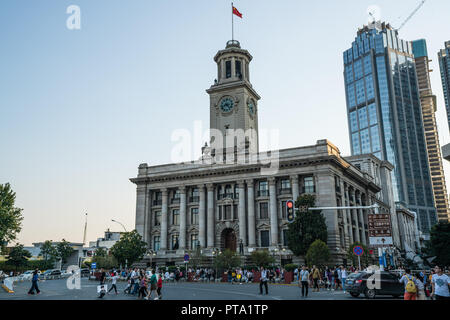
[272, 180]
[210, 186]
[294, 178]
[241, 183]
[182, 189]
[164, 191]
[250, 183]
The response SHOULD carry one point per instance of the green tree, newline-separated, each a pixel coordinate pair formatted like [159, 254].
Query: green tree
[197, 258]
[307, 227]
[365, 258]
[10, 216]
[318, 253]
[100, 252]
[262, 258]
[130, 248]
[64, 250]
[227, 260]
[18, 256]
[49, 252]
[439, 244]
[107, 262]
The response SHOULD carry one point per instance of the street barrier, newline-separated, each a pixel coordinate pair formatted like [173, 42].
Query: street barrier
[8, 284]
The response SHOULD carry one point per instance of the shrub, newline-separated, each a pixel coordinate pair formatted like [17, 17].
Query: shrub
[290, 267]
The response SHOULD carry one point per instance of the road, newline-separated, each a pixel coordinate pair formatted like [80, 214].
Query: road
[57, 290]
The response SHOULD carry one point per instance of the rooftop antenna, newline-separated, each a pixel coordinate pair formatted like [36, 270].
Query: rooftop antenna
[85, 229]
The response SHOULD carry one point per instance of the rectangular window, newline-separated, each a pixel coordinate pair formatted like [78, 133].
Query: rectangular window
[355, 144]
[238, 69]
[369, 87]
[235, 212]
[264, 210]
[285, 238]
[360, 92]
[362, 115]
[265, 242]
[228, 69]
[194, 216]
[157, 218]
[194, 241]
[285, 184]
[351, 95]
[227, 209]
[375, 139]
[175, 217]
[156, 243]
[263, 188]
[349, 73]
[367, 64]
[365, 141]
[220, 213]
[372, 114]
[283, 209]
[174, 242]
[358, 69]
[353, 122]
[308, 185]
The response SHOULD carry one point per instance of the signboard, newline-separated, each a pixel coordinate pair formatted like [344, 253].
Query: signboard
[94, 265]
[358, 251]
[380, 230]
[186, 258]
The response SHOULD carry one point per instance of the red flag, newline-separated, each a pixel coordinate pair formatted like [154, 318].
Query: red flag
[236, 12]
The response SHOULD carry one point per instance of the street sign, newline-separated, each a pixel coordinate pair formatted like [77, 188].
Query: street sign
[94, 265]
[358, 251]
[380, 230]
[186, 258]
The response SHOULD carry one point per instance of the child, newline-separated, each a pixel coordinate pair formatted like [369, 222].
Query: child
[159, 285]
[102, 291]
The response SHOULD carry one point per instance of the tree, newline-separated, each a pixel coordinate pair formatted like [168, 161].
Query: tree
[107, 262]
[439, 244]
[262, 258]
[100, 252]
[64, 250]
[18, 256]
[49, 252]
[197, 258]
[10, 216]
[307, 227]
[227, 260]
[130, 248]
[318, 253]
[365, 258]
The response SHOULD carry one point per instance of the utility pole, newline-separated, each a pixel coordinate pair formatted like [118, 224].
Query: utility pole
[85, 229]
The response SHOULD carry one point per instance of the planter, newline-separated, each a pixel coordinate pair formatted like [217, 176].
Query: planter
[288, 277]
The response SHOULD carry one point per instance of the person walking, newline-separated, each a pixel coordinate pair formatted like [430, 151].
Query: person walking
[343, 277]
[410, 284]
[304, 281]
[420, 286]
[113, 282]
[102, 276]
[440, 283]
[316, 278]
[142, 287]
[263, 281]
[34, 281]
[159, 285]
[153, 282]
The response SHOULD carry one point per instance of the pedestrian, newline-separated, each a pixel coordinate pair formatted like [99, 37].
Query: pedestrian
[159, 285]
[316, 278]
[343, 277]
[420, 286]
[153, 282]
[337, 278]
[263, 281]
[304, 281]
[410, 284]
[440, 284]
[34, 281]
[142, 287]
[113, 282]
[102, 276]
[102, 291]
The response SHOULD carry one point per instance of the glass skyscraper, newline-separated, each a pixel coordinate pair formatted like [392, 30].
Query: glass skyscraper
[385, 116]
[444, 64]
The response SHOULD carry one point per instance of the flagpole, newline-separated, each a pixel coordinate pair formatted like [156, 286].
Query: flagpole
[232, 23]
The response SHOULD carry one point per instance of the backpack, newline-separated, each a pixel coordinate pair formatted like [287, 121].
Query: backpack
[411, 286]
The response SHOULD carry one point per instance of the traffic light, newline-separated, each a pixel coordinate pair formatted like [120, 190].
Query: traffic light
[290, 211]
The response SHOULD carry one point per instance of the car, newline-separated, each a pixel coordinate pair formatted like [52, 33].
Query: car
[389, 285]
[52, 272]
[85, 271]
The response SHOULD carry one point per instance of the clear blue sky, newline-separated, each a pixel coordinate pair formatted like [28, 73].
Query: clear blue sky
[80, 110]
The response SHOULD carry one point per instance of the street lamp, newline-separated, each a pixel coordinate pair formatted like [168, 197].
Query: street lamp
[152, 254]
[215, 253]
[120, 224]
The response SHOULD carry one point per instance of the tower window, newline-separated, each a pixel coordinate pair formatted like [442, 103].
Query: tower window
[228, 69]
[238, 69]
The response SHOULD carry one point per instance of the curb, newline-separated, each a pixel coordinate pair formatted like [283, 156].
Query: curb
[7, 289]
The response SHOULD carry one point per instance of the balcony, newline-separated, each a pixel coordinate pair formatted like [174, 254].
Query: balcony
[308, 190]
[175, 201]
[285, 191]
[157, 202]
[194, 199]
[226, 195]
[263, 193]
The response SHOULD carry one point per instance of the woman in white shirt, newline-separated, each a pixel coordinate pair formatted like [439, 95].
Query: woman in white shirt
[420, 287]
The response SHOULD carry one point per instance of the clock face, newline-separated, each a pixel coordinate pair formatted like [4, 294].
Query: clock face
[251, 107]
[227, 105]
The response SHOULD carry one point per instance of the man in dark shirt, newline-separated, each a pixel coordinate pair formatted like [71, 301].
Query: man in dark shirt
[102, 276]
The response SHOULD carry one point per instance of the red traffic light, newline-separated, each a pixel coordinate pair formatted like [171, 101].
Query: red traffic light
[290, 204]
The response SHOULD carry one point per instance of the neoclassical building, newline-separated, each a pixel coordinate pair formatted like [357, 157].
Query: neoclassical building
[235, 196]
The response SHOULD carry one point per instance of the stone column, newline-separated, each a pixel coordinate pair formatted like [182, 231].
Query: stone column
[202, 216]
[241, 211]
[361, 219]
[349, 217]
[295, 188]
[141, 192]
[182, 217]
[273, 211]
[251, 214]
[233, 67]
[148, 217]
[164, 214]
[344, 215]
[210, 218]
[355, 214]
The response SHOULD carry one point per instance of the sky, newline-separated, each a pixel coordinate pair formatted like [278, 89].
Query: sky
[81, 109]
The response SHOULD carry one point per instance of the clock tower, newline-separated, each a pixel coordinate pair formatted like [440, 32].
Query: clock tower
[233, 103]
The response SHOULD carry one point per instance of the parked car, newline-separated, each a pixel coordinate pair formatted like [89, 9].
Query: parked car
[389, 285]
[51, 272]
[85, 271]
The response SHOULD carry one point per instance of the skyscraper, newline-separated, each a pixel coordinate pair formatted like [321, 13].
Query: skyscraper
[444, 63]
[429, 107]
[385, 115]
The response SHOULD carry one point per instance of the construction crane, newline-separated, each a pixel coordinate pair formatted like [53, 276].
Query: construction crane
[412, 14]
[85, 229]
